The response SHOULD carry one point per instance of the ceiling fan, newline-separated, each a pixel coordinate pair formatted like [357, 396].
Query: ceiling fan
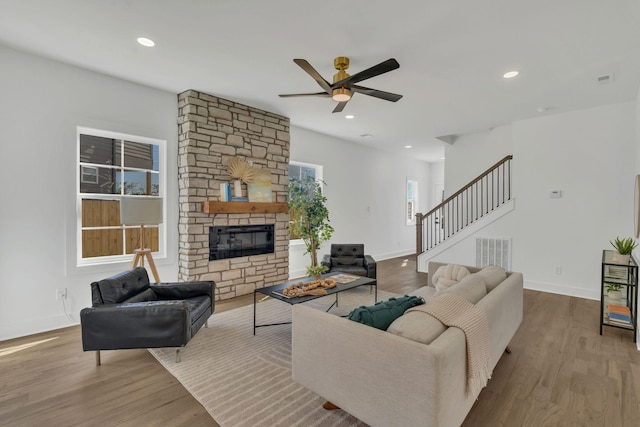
[344, 85]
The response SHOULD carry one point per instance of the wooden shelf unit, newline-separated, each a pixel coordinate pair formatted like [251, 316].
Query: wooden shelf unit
[214, 207]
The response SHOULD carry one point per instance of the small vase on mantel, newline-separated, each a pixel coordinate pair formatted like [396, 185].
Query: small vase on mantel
[237, 188]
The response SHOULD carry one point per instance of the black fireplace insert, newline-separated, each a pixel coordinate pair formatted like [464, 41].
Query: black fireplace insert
[240, 240]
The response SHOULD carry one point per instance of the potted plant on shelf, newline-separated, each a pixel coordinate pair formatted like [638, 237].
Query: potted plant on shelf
[309, 219]
[624, 247]
[613, 291]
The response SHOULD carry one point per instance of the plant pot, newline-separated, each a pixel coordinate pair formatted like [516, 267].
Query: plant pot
[616, 295]
[621, 259]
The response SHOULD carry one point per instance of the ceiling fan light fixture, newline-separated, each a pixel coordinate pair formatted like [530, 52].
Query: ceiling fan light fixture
[341, 94]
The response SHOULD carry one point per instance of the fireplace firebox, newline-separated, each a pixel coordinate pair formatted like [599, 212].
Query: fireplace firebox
[240, 240]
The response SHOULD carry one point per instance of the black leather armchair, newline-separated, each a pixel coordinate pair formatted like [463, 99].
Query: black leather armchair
[351, 259]
[129, 312]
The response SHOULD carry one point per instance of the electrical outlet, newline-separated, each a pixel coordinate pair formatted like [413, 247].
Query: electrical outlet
[61, 293]
[558, 270]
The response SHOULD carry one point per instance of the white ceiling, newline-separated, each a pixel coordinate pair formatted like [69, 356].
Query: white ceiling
[452, 55]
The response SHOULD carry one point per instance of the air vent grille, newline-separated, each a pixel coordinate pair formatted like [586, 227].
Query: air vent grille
[493, 251]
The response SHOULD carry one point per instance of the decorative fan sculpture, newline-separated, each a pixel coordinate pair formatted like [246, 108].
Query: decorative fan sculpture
[240, 169]
[258, 180]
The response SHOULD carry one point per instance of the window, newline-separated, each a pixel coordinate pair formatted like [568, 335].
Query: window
[89, 175]
[299, 170]
[112, 166]
[412, 201]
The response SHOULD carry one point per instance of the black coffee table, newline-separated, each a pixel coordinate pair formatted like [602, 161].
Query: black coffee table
[275, 292]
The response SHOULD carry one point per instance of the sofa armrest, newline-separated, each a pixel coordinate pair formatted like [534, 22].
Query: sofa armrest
[370, 265]
[184, 290]
[504, 309]
[381, 378]
[138, 325]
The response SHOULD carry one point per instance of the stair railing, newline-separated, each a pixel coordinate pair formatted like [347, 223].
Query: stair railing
[488, 191]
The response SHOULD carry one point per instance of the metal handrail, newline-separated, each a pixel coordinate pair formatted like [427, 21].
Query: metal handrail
[474, 200]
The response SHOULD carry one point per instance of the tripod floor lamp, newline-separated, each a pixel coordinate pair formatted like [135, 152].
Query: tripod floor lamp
[142, 211]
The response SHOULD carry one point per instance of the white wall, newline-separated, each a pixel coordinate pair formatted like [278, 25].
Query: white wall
[365, 195]
[590, 156]
[473, 153]
[42, 102]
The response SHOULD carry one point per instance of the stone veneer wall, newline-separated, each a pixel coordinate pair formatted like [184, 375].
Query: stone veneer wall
[211, 131]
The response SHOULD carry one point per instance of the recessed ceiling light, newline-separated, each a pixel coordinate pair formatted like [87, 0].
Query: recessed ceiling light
[510, 74]
[543, 109]
[407, 146]
[349, 116]
[366, 135]
[442, 158]
[146, 42]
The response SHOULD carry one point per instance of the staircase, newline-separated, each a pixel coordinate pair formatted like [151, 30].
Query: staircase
[466, 207]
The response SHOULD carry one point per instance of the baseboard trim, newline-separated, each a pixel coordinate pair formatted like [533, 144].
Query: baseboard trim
[555, 288]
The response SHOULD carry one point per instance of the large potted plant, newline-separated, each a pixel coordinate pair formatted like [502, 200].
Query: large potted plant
[623, 248]
[309, 218]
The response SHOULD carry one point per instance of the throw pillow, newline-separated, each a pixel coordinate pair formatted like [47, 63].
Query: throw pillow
[383, 313]
[493, 276]
[472, 288]
[447, 275]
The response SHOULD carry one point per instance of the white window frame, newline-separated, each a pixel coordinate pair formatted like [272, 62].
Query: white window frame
[319, 177]
[411, 201]
[162, 192]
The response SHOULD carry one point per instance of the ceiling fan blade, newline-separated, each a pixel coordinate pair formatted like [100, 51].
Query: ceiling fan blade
[313, 73]
[340, 107]
[289, 95]
[383, 67]
[387, 96]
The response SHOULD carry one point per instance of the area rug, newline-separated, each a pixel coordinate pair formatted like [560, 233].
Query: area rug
[245, 380]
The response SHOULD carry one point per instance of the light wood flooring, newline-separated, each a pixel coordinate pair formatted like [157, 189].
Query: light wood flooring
[561, 372]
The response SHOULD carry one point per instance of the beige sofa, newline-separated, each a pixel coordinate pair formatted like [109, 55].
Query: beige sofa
[385, 379]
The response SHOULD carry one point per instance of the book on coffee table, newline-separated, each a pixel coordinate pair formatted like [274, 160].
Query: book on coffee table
[345, 278]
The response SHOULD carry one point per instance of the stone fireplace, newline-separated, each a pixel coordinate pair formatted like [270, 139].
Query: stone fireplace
[211, 131]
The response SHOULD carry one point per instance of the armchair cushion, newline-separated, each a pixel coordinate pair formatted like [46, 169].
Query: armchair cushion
[351, 259]
[120, 287]
[146, 295]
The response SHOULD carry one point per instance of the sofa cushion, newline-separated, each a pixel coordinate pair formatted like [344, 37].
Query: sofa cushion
[383, 313]
[447, 275]
[493, 276]
[417, 326]
[472, 288]
[424, 328]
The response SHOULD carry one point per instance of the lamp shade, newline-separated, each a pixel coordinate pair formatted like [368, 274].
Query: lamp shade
[140, 211]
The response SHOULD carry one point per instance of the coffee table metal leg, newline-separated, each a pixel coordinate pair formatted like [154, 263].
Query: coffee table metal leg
[254, 312]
